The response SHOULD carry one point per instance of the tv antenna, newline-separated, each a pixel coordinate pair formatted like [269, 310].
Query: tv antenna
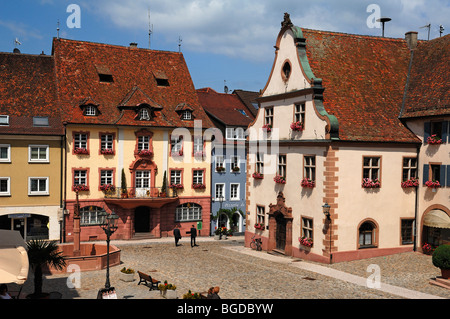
[441, 30]
[429, 27]
[225, 87]
[179, 43]
[17, 42]
[383, 20]
[150, 30]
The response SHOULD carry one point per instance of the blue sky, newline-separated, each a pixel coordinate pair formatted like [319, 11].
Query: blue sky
[222, 40]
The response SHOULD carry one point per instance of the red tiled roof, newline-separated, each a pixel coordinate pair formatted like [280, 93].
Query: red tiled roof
[225, 107]
[428, 92]
[134, 72]
[27, 89]
[364, 79]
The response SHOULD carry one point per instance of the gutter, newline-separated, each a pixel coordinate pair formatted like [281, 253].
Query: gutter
[416, 208]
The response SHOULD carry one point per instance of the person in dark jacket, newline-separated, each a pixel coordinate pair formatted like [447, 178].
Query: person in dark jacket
[177, 235]
[193, 233]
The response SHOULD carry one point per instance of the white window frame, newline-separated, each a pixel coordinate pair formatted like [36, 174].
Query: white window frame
[198, 177]
[4, 119]
[8, 186]
[39, 160]
[91, 215]
[186, 115]
[220, 161]
[106, 177]
[143, 179]
[8, 153]
[188, 212]
[143, 142]
[82, 176]
[144, 114]
[219, 189]
[39, 191]
[235, 161]
[198, 144]
[175, 177]
[80, 140]
[259, 163]
[235, 194]
[90, 110]
[235, 133]
[107, 141]
[299, 112]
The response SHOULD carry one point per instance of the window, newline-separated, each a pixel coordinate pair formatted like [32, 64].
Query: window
[80, 141]
[106, 142]
[143, 143]
[91, 215]
[371, 168]
[234, 133]
[144, 114]
[234, 191]
[40, 121]
[299, 113]
[162, 82]
[260, 215]
[260, 163]
[409, 168]
[176, 145]
[307, 227]
[286, 71]
[142, 179]
[105, 78]
[268, 118]
[188, 212]
[80, 177]
[5, 153]
[106, 177]
[367, 235]
[197, 177]
[220, 192]
[309, 167]
[220, 163]
[234, 164]
[282, 165]
[436, 130]
[186, 115]
[407, 231]
[198, 144]
[90, 110]
[5, 186]
[175, 177]
[38, 186]
[38, 153]
[4, 119]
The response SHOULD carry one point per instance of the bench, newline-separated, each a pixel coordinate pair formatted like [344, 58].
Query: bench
[148, 280]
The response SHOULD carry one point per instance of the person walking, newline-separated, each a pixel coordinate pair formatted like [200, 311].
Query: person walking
[177, 235]
[193, 233]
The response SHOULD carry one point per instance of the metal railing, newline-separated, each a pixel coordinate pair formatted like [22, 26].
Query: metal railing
[141, 193]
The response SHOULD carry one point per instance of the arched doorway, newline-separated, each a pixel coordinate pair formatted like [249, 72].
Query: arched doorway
[280, 235]
[142, 219]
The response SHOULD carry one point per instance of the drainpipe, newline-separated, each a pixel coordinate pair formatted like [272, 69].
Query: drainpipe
[65, 183]
[416, 205]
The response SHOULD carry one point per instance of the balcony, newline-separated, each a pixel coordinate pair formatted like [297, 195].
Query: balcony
[133, 197]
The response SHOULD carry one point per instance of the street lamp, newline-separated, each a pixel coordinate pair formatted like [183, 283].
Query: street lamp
[109, 223]
[326, 212]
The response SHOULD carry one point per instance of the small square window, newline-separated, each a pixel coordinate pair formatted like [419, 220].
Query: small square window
[186, 115]
[90, 110]
[38, 153]
[38, 186]
[5, 153]
[40, 121]
[5, 189]
[4, 120]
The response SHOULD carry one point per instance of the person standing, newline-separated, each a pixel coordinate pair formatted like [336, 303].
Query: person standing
[193, 233]
[177, 235]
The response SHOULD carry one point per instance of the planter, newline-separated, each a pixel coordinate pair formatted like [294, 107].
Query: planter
[126, 277]
[305, 248]
[217, 237]
[169, 293]
[445, 273]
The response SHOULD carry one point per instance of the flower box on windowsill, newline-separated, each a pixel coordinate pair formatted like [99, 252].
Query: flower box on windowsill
[259, 226]
[220, 169]
[107, 151]
[80, 151]
[198, 186]
[413, 182]
[199, 154]
[80, 188]
[279, 179]
[177, 154]
[368, 183]
[108, 188]
[257, 175]
[267, 128]
[307, 242]
[434, 140]
[308, 183]
[176, 186]
[145, 153]
[236, 169]
[297, 126]
[432, 184]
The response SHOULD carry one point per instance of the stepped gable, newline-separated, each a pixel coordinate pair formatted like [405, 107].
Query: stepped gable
[120, 79]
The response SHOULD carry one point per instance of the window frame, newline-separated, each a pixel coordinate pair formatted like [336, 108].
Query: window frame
[171, 177]
[237, 196]
[4, 120]
[282, 166]
[8, 153]
[261, 215]
[235, 161]
[47, 153]
[102, 135]
[38, 192]
[408, 169]
[219, 163]
[374, 234]
[309, 169]
[371, 167]
[259, 163]
[97, 221]
[402, 230]
[202, 170]
[111, 178]
[8, 186]
[79, 140]
[307, 230]
[268, 115]
[299, 113]
[196, 213]
[222, 190]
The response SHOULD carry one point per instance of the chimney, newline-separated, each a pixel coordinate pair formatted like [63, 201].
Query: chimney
[16, 50]
[411, 39]
[133, 45]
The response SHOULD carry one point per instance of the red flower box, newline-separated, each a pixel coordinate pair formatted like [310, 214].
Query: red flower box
[307, 242]
[413, 182]
[145, 153]
[80, 188]
[368, 183]
[267, 128]
[109, 188]
[177, 186]
[107, 151]
[259, 226]
[198, 186]
[306, 182]
[434, 139]
[432, 184]
[279, 179]
[297, 126]
[80, 150]
[257, 175]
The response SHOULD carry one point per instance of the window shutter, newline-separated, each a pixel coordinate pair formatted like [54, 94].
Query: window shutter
[448, 175]
[426, 171]
[445, 131]
[426, 131]
[442, 177]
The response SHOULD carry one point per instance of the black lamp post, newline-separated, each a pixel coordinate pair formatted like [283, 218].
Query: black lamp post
[326, 212]
[109, 224]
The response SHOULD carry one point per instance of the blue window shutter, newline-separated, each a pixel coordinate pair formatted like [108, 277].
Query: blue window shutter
[442, 177]
[448, 175]
[445, 131]
[426, 171]
[426, 131]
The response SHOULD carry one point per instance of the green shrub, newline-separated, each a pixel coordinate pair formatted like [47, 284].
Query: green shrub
[441, 257]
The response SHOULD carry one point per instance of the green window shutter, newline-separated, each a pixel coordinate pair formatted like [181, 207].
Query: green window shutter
[448, 175]
[445, 127]
[426, 131]
[442, 177]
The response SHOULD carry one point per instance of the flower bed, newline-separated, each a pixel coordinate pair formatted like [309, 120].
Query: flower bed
[279, 179]
[236, 169]
[257, 175]
[413, 182]
[432, 184]
[434, 139]
[177, 154]
[80, 151]
[308, 183]
[297, 126]
[368, 183]
[307, 242]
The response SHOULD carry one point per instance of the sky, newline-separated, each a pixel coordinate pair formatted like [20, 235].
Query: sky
[224, 42]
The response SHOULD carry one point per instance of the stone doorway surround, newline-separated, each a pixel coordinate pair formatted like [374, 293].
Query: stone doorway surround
[286, 212]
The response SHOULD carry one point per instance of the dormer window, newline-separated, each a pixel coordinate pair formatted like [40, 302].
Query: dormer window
[161, 78]
[4, 120]
[186, 115]
[90, 110]
[40, 121]
[144, 114]
[104, 74]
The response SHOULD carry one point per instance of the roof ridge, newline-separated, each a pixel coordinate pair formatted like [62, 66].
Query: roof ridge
[356, 35]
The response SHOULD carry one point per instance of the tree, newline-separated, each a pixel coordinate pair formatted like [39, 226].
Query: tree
[42, 253]
[164, 184]
[123, 183]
